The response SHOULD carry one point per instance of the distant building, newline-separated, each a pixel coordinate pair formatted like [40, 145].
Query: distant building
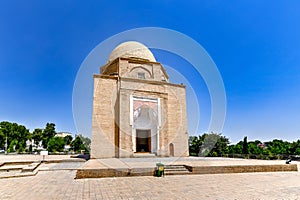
[67, 147]
[35, 146]
[262, 145]
[63, 134]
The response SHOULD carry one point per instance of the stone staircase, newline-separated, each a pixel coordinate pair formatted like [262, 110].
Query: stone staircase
[176, 170]
[18, 169]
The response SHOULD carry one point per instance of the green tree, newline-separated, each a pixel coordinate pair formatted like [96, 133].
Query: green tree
[278, 146]
[236, 148]
[12, 146]
[81, 143]
[48, 133]
[86, 142]
[294, 148]
[221, 146]
[56, 144]
[212, 144]
[245, 146]
[37, 135]
[16, 135]
[254, 148]
[68, 139]
[194, 145]
[4, 133]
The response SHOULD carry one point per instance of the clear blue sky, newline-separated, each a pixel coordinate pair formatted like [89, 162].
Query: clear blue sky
[255, 45]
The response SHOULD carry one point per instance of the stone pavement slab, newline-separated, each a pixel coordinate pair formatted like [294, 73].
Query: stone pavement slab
[60, 166]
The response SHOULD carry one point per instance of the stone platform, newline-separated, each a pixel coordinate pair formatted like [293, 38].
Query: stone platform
[13, 166]
[113, 167]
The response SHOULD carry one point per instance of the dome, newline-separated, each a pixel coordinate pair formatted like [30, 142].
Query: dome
[131, 49]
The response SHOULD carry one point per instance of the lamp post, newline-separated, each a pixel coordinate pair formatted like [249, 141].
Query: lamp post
[6, 144]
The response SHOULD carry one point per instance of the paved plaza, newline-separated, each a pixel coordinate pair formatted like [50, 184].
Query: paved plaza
[30, 157]
[61, 184]
[56, 181]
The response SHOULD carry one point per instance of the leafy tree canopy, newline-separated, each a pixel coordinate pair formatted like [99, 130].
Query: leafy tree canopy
[212, 144]
[81, 143]
[56, 144]
[68, 139]
[16, 136]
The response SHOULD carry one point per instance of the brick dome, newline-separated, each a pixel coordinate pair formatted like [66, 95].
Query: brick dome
[131, 49]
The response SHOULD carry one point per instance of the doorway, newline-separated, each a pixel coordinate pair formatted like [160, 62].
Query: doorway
[143, 141]
[171, 146]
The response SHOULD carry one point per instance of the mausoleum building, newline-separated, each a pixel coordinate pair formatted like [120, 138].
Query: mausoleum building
[136, 110]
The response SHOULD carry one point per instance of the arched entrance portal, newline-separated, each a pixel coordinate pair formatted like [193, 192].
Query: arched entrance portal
[145, 123]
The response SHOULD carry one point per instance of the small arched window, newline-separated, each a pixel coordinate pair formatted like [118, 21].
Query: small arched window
[141, 75]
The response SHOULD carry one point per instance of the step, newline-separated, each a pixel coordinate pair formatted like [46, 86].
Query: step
[174, 167]
[144, 155]
[15, 174]
[11, 168]
[178, 173]
[176, 170]
[31, 167]
[19, 167]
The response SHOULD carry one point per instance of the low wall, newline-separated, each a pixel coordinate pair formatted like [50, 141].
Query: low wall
[241, 168]
[102, 173]
[121, 172]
